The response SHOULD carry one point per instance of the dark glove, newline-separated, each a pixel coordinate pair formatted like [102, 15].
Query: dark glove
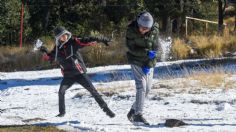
[146, 70]
[43, 49]
[100, 39]
[152, 54]
[104, 40]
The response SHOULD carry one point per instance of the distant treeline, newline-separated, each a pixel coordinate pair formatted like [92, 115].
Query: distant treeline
[83, 17]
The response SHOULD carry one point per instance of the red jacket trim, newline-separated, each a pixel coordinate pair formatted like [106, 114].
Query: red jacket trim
[84, 44]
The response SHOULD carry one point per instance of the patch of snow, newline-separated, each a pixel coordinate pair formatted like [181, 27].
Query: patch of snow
[224, 107]
[34, 95]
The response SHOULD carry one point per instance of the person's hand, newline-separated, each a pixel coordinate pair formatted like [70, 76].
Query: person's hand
[43, 49]
[46, 57]
[146, 70]
[152, 54]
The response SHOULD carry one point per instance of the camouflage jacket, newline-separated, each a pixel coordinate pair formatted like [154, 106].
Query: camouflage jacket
[139, 45]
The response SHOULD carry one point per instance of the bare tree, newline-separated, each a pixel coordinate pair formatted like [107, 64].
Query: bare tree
[221, 9]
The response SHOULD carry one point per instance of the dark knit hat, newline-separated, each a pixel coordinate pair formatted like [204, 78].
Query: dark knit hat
[59, 31]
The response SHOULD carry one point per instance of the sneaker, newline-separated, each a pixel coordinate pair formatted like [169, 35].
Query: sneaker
[130, 115]
[60, 115]
[109, 112]
[140, 119]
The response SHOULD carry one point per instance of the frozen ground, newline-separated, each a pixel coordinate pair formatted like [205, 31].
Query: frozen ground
[31, 98]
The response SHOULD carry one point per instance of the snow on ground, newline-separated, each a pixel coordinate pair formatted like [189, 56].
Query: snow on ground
[30, 97]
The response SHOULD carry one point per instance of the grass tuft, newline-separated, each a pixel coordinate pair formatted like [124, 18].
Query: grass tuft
[204, 46]
[30, 129]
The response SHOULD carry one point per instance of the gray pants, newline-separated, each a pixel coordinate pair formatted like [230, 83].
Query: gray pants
[143, 85]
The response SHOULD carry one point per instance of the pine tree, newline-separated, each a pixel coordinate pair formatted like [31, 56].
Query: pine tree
[10, 21]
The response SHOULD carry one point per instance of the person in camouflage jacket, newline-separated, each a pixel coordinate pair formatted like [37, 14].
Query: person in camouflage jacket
[143, 52]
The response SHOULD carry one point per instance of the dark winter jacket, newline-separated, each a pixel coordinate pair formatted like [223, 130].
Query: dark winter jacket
[139, 45]
[69, 57]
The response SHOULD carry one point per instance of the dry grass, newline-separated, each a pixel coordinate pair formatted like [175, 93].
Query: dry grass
[180, 49]
[195, 83]
[216, 78]
[204, 46]
[208, 47]
[105, 55]
[230, 21]
[209, 79]
[30, 129]
[14, 58]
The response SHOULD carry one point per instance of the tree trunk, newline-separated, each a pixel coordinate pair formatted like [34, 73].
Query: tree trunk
[234, 17]
[21, 23]
[235, 23]
[179, 19]
[220, 16]
[164, 23]
[167, 25]
[46, 15]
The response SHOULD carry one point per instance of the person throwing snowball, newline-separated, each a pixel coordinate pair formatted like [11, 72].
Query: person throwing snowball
[66, 53]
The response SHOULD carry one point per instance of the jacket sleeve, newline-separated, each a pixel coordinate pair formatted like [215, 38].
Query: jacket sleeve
[133, 48]
[86, 41]
[51, 54]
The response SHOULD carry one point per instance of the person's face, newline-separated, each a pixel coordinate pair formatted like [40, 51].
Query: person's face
[63, 38]
[143, 30]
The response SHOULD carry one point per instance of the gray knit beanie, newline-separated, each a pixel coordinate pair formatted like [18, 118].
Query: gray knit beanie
[145, 19]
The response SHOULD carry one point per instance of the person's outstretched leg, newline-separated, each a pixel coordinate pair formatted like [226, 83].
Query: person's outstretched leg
[84, 80]
[136, 112]
[140, 83]
[65, 84]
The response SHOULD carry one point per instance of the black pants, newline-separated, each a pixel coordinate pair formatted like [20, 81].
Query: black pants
[83, 80]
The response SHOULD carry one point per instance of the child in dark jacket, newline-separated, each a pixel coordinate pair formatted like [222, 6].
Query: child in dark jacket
[66, 53]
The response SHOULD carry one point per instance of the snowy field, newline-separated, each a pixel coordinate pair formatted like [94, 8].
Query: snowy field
[30, 97]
